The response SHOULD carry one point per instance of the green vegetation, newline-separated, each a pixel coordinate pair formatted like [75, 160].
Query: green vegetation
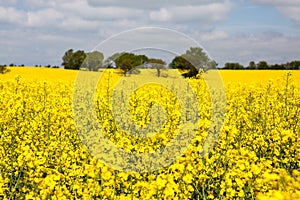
[128, 61]
[193, 61]
[263, 65]
[3, 69]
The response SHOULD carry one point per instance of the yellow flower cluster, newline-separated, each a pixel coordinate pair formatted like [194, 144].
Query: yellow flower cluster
[257, 154]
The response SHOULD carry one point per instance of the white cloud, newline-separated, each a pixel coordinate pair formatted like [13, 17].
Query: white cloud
[47, 17]
[8, 2]
[161, 15]
[79, 13]
[78, 24]
[125, 23]
[210, 12]
[277, 2]
[50, 38]
[33, 4]
[147, 5]
[271, 47]
[292, 12]
[54, 26]
[12, 15]
[289, 8]
[41, 4]
[86, 11]
[213, 35]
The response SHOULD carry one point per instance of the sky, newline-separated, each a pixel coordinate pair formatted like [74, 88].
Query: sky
[41, 31]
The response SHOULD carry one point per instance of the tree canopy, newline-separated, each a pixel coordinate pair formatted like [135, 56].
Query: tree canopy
[157, 64]
[67, 59]
[75, 60]
[110, 61]
[263, 65]
[233, 66]
[93, 61]
[192, 61]
[128, 61]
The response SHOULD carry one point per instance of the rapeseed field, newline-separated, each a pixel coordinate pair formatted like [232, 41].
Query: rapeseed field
[43, 156]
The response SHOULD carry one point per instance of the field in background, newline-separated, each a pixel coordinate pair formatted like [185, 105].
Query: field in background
[256, 156]
[257, 76]
[39, 74]
[229, 76]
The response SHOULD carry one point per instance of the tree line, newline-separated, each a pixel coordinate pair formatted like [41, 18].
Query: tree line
[190, 62]
[263, 65]
[193, 61]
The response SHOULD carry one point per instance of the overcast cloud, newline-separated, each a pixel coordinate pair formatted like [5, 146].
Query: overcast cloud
[40, 31]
